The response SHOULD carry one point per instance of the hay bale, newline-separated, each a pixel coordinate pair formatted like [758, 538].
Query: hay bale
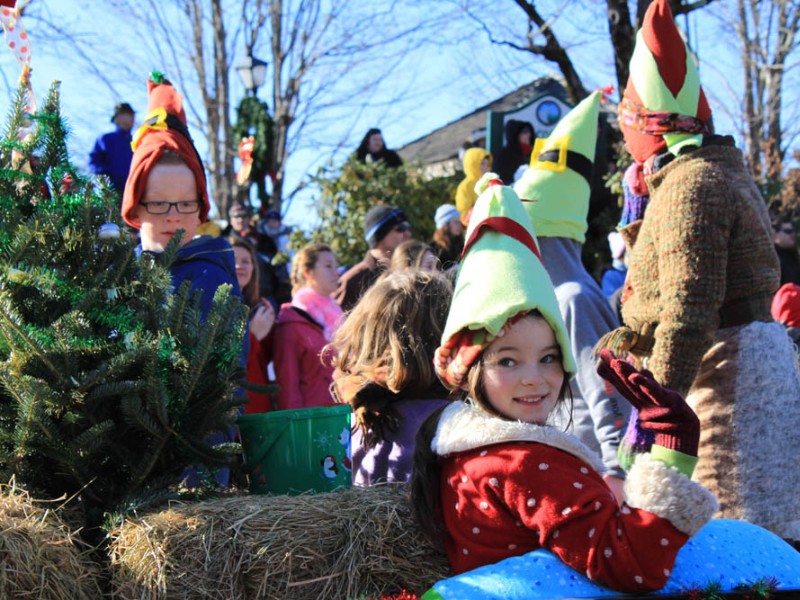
[342, 544]
[39, 555]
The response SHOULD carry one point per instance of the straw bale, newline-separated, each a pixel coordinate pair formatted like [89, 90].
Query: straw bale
[344, 544]
[39, 555]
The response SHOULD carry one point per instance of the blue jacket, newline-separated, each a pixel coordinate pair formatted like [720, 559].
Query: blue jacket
[208, 262]
[112, 156]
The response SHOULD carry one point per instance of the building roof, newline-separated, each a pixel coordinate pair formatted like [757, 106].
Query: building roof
[442, 145]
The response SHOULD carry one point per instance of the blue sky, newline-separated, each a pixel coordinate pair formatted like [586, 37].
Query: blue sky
[435, 84]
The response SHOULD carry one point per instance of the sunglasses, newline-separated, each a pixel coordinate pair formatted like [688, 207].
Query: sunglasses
[402, 227]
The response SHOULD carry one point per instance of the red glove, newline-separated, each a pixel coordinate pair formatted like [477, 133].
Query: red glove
[661, 410]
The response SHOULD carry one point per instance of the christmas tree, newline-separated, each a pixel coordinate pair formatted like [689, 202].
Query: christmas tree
[110, 381]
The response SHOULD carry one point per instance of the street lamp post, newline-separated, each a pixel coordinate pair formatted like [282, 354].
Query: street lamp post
[252, 71]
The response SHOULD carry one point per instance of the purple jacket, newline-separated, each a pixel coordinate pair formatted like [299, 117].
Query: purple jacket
[391, 459]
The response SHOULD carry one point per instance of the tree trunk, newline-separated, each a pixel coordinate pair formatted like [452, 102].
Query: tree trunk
[623, 39]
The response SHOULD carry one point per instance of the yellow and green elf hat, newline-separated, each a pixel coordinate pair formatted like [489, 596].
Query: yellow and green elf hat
[501, 278]
[664, 104]
[555, 189]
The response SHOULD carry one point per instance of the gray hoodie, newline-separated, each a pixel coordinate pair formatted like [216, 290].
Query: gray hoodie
[600, 413]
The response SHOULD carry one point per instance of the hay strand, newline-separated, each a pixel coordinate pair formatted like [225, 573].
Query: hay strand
[345, 544]
[39, 555]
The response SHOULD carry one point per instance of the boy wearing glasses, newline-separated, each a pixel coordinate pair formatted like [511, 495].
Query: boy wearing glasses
[166, 192]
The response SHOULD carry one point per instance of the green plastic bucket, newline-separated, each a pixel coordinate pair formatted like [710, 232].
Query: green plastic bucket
[295, 451]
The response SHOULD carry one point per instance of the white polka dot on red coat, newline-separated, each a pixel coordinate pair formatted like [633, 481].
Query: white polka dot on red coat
[476, 530]
[555, 534]
[484, 505]
[512, 546]
[456, 505]
[598, 505]
[493, 481]
[625, 510]
[584, 470]
[543, 466]
[566, 511]
[638, 579]
[608, 552]
[518, 523]
[484, 452]
[531, 502]
[465, 551]
[664, 542]
[591, 532]
[464, 479]
[666, 573]
[619, 533]
[577, 485]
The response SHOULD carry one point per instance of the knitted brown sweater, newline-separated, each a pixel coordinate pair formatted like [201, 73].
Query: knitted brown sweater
[703, 259]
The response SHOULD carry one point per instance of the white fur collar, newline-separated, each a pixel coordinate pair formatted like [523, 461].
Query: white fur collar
[464, 426]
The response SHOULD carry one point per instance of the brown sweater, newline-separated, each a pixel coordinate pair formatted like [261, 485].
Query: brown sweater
[703, 260]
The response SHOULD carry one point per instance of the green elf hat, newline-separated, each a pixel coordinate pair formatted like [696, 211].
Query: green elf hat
[500, 280]
[555, 188]
[664, 104]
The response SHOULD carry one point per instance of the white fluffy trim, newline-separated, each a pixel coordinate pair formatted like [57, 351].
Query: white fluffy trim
[464, 426]
[653, 486]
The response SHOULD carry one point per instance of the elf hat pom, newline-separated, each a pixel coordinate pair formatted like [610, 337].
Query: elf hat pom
[664, 105]
[164, 128]
[556, 188]
[501, 278]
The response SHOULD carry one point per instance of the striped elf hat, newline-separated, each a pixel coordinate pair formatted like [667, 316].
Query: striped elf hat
[555, 189]
[664, 105]
[501, 279]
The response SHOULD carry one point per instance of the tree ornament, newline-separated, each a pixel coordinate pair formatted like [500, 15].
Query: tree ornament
[108, 231]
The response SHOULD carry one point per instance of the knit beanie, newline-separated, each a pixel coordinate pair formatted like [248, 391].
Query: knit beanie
[164, 128]
[501, 279]
[664, 105]
[786, 305]
[635, 195]
[379, 221]
[555, 189]
[444, 214]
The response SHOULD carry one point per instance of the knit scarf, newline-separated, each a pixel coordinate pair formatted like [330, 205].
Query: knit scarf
[323, 309]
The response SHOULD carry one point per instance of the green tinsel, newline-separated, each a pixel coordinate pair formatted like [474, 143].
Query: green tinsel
[156, 76]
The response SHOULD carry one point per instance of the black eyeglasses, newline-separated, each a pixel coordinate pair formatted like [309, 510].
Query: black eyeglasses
[403, 227]
[185, 207]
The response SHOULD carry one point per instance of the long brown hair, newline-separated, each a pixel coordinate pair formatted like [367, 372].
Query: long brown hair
[251, 291]
[389, 339]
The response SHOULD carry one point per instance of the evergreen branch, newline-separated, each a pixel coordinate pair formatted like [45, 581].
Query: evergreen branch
[91, 440]
[9, 318]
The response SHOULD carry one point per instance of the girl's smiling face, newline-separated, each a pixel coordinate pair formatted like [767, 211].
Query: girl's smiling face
[522, 371]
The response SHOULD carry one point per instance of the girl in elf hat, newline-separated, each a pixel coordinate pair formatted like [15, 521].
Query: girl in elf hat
[492, 479]
[701, 276]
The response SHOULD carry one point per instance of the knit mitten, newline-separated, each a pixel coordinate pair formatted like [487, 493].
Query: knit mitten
[661, 411]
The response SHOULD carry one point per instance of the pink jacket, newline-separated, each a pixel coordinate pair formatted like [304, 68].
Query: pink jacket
[297, 343]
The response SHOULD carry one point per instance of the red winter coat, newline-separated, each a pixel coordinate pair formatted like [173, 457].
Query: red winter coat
[257, 360]
[297, 343]
[508, 488]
